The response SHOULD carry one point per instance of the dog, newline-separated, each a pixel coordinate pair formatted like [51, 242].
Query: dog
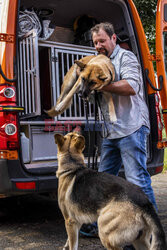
[122, 210]
[87, 74]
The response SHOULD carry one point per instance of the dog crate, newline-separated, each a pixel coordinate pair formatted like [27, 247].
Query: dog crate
[42, 66]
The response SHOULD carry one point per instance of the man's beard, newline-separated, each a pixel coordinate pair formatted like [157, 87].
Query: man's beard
[103, 51]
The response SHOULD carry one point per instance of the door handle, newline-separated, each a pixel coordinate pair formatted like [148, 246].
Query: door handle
[150, 83]
[5, 78]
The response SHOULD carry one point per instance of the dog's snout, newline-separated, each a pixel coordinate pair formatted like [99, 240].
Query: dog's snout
[84, 93]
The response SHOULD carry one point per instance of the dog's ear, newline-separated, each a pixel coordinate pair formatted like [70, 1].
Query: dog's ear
[80, 64]
[59, 139]
[80, 142]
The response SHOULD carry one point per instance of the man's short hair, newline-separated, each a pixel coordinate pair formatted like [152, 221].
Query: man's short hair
[107, 27]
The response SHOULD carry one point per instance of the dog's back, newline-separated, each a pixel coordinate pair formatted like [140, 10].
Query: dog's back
[104, 194]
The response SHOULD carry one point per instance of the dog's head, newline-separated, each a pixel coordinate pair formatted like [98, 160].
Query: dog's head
[72, 143]
[94, 77]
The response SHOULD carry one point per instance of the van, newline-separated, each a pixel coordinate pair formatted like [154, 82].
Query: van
[39, 41]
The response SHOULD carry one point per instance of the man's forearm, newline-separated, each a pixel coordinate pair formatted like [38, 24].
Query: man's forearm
[121, 87]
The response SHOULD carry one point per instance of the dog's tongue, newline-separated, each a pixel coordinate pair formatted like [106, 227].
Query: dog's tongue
[77, 130]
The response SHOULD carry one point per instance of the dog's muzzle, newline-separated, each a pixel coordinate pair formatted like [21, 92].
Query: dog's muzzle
[84, 93]
[84, 90]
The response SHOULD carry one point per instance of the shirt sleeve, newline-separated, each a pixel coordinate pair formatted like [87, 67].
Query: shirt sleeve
[130, 70]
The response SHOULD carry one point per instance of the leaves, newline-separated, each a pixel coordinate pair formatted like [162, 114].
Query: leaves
[147, 13]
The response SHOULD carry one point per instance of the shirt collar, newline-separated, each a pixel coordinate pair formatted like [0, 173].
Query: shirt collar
[115, 51]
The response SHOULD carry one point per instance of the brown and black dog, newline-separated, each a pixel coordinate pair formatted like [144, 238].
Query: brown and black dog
[122, 211]
[87, 74]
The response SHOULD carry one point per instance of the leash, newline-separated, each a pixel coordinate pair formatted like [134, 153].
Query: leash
[95, 148]
[104, 121]
[87, 123]
[96, 120]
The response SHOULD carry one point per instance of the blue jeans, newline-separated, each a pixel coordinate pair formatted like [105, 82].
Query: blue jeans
[131, 152]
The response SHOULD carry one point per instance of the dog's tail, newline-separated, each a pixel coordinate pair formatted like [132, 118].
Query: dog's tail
[158, 241]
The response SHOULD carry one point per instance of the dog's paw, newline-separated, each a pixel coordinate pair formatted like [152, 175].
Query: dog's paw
[66, 247]
[52, 112]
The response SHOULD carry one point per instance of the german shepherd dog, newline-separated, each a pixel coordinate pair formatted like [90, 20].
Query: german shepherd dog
[87, 74]
[122, 211]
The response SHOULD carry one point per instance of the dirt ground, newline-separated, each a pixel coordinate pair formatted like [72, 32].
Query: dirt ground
[35, 222]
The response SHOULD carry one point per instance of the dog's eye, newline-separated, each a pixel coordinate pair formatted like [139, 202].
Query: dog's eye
[102, 78]
[83, 78]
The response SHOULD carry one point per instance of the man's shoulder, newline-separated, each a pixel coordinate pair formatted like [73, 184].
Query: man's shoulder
[126, 51]
[120, 55]
[118, 52]
[127, 55]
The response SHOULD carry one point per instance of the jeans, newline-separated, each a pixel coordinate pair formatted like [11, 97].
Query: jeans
[131, 152]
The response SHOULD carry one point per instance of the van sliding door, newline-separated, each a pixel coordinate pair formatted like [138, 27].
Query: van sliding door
[28, 75]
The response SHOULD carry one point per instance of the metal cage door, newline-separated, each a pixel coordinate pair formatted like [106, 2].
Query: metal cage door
[28, 72]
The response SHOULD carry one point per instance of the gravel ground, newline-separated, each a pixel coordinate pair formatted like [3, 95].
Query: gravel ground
[35, 222]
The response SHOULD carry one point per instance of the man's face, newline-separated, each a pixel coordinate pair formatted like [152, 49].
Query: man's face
[103, 43]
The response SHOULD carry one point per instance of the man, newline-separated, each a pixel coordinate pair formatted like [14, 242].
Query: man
[126, 138]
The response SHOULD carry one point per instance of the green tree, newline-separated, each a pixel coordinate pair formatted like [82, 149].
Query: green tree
[147, 12]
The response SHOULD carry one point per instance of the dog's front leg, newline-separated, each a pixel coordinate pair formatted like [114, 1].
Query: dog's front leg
[65, 103]
[69, 81]
[68, 99]
[72, 228]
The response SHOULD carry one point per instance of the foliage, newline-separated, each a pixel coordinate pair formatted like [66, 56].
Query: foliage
[147, 12]
[165, 151]
[165, 161]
